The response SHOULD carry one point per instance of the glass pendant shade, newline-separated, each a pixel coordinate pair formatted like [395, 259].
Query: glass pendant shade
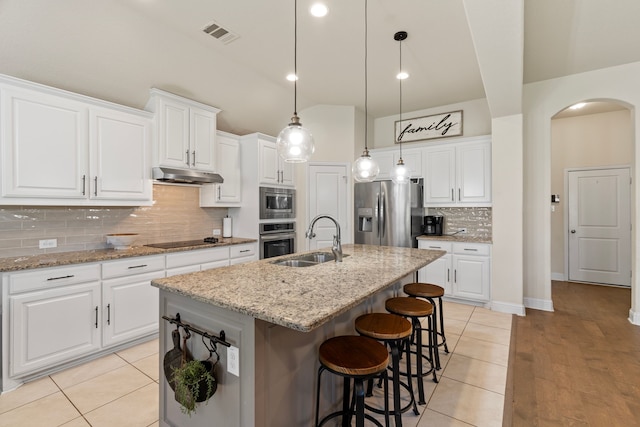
[365, 169]
[295, 143]
[401, 174]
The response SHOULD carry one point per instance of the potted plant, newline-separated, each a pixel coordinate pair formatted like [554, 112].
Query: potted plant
[194, 382]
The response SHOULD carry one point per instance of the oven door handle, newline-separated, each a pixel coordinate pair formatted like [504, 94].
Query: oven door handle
[276, 236]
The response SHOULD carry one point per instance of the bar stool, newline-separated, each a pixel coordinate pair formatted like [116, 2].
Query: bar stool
[430, 292]
[414, 309]
[358, 358]
[395, 331]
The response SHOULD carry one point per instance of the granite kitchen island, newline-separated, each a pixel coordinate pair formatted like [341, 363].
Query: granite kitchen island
[276, 317]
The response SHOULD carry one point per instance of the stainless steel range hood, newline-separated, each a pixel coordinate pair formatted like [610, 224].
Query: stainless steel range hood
[185, 176]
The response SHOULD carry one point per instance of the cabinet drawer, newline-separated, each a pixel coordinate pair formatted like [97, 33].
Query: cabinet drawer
[242, 251]
[53, 277]
[471, 249]
[131, 266]
[200, 256]
[434, 244]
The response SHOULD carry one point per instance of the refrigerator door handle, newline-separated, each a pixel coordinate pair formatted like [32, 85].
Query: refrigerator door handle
[382, 219]
[378, 213]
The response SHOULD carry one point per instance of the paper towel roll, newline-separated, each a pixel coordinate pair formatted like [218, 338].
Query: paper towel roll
[226, 227]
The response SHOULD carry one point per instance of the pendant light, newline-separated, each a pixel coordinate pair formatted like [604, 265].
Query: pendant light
[295, 143]
[400, 174]
[365, 169]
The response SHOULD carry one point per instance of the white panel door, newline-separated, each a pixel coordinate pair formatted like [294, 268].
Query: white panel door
[440, 175]
[473, 173]
[202, 139]
[173, 136]
[328, 196]
[599, 226]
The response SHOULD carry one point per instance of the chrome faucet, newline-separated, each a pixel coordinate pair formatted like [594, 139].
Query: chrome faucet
[337, 246]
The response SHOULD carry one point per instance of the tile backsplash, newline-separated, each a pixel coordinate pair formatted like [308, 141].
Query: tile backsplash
[175, 215]
[477, 221]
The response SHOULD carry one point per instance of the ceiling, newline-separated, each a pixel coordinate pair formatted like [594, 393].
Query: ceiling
[117, 50]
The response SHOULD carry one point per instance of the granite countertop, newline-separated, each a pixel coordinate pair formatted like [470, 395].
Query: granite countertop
[65, 258]
[301, 298]
[462, 238]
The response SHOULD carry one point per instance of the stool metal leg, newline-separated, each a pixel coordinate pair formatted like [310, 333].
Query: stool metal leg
[418, 329]
[320, 371]
[395, 362]
[444, 339]
[346, 410]
[409, 377]
[434, 331]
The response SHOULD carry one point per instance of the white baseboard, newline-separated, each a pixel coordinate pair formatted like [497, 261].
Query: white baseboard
[508, 307]
[634, 317]
[561, 277]
[538, 304]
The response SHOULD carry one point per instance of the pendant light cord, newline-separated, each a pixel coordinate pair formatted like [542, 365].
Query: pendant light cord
[366, 89]
[295, 57]
[399, 139]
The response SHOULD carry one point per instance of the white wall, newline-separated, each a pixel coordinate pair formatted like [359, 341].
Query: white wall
[594, 140]
[542, 101]
[476, 121]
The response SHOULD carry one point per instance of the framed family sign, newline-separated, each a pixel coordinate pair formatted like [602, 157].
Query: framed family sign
[429, 127]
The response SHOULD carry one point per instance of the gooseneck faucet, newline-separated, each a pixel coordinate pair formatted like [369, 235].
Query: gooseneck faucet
[337, 246]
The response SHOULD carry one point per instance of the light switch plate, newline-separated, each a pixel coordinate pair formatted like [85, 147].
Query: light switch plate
[48, 243]
[216, 231]
[233, 361]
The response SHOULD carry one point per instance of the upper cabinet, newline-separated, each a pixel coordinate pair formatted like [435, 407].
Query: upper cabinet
[388, 158]
[272, 169]
[59, 148]
[185, 130]
[228, 193]
[458, 174]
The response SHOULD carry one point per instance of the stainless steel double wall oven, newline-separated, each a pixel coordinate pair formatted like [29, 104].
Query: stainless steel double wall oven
[277, 221]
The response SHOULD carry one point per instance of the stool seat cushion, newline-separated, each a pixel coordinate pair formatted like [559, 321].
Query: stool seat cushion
[383, 326]
[424, 290]
[353, 355]
[406, 306]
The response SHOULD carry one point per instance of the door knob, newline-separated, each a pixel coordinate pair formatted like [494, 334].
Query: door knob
[573, 231]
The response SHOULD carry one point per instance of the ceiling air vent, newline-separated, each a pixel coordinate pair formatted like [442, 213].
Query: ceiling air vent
[216, 31]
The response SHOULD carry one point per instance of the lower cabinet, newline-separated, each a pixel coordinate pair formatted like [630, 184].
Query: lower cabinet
[464, 272]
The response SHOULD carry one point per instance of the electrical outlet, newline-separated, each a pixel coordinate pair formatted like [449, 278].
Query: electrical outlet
[216, 231]
[48, 243]
[462, 230]
[233, 361]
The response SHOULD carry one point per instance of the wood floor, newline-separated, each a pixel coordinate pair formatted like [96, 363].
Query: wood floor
[577, 366]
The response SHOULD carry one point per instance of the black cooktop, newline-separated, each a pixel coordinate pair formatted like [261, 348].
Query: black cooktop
[184, 243]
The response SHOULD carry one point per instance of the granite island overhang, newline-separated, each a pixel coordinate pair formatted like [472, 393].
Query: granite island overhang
[277, 316]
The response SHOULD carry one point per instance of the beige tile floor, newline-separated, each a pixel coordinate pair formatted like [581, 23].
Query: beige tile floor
[121, 389]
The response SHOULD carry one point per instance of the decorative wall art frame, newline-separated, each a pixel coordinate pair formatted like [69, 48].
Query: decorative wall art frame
[429, 127]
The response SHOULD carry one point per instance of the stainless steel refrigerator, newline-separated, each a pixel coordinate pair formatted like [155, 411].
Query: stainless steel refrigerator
[388, 214]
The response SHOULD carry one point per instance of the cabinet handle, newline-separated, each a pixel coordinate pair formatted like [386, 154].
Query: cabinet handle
[245, 250]
[452, 198]
[96, 317]
[61, 277]
[471, 250]
[219, 192]
[459, 198]
[187, 157]
[108, 314]
[137, 266]
[95, 186]
[455, 276]
[84, 184]
[193, 160]
[448, 275]
[435, 247]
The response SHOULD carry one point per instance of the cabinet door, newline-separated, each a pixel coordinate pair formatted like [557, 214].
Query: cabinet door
[202, 138]
[44, 145]
[471, 277]
[287, 172]
[228, 161]
[173, 133]
[440, 176]
[53, 326]
[474, 173]
[129, 308]
[438, 273]
[385, 160]
[268, 162]
[412, 158]
[119, 156]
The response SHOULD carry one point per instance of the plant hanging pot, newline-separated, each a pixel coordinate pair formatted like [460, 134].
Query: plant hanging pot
[204, 393]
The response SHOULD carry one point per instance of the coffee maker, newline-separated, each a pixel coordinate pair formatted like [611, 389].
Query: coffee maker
[433, 225]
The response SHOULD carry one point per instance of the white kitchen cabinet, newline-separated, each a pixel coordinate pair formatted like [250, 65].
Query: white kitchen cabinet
[129, 302]
[186, 132]
[273, 170]
[65, 149]
[239, 254]
[197, 260]
[228, 193]
[458, 174]
[54, 316]
[464, 272]
[387, 159]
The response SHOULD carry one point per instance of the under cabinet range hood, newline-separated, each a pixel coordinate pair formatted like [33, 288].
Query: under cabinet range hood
[185, 176]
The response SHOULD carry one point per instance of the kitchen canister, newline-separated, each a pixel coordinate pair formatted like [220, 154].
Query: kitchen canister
[226, 227]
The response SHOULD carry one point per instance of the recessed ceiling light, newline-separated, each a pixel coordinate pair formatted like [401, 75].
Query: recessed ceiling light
[318, 10]
[578, 105]
[402, 75]
[292, 77]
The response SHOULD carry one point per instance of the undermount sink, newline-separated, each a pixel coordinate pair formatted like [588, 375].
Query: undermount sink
[307, 260]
